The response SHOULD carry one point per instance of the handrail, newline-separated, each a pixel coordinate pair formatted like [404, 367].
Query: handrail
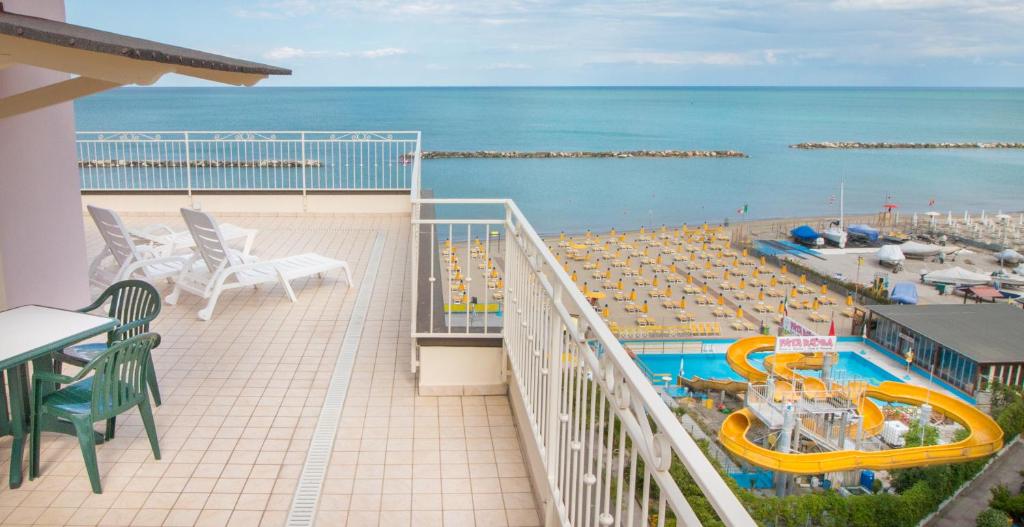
[249, 160]
[543, 286]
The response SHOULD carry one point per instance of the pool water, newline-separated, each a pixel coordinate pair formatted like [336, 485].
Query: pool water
[714, 366]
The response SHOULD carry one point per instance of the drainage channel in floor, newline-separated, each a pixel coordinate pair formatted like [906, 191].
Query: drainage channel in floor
[311, 481]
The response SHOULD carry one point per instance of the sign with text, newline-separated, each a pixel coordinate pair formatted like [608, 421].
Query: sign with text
[792, 327]
[805, 344]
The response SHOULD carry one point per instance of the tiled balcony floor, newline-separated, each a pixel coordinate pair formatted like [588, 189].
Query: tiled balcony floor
[242, 395]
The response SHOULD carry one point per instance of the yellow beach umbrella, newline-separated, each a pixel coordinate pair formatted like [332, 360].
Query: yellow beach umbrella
[632, 295]
[792, 293]
[689, 278]
[705, 288]
[465, 298]
[501, 284]
[707, 264]
[849, 300]
[618, 285]
[743, 283]
[659, 260]
[762, 260]
[725, 275]
[574, 277]
[784, 269]
[782, 308]
[739, 312]
[668, 292]
[672, 268]
[824, 289]
[760, 295]
[773, 282]
[756, 273]
[612, 232]
[654, 281]
[561, 236]
[693, 257]
[585, 289]
[803, 279]
[682, 302]
[605, 312]
[744, 253]
[644, 308]
[815, 305]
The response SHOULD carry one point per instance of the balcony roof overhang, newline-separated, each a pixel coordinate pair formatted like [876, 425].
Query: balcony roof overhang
[102, 60]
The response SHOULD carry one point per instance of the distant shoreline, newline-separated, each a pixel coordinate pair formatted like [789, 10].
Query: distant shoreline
[854, 145]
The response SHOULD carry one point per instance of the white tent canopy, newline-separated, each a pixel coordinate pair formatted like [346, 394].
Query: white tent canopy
[919, 250]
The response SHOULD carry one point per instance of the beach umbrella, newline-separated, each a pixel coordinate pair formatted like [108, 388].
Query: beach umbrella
[619, 285]
[725, 275]
[743, 283]
[654, 281]
[739, 312]
[762, 260]
[705, 288]
[815, 305]
[721, 300]
[682, 302]
[784, 269]
[913, 220]
[782, 308]
[773, 282]
[792, 293]
[760, 295]
[949, 218]
[689, 278]
[668, 291]
[803, 279]
[632, 295]
[849, 300]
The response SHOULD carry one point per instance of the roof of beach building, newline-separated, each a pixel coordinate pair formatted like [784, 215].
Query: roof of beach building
[986, 333]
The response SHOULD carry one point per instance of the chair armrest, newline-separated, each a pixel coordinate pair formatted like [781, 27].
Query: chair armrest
[95, 305]
[119, 332]
[52, 377]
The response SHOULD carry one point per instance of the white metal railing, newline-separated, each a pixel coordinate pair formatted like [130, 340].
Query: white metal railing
[606, 438]
[248, 161]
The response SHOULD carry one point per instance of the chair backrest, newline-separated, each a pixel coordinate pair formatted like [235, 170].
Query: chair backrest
[114, 233]
[120, 375]
[135, 303]
[209, 241]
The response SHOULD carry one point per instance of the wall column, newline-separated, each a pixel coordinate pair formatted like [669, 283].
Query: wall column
[42, 240]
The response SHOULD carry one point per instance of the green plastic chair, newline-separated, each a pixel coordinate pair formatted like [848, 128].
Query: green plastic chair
[133, 302]
[117, 384]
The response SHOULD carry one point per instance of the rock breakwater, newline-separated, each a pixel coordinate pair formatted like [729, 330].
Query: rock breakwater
[849, 145]
[492, 154]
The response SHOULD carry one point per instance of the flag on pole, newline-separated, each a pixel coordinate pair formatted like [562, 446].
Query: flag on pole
[931, 202]
[832, 328]
[743, 210]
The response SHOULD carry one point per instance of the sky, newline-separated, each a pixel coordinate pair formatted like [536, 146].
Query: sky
[592, 42]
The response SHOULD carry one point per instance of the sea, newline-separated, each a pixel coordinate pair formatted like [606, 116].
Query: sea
[578, 194]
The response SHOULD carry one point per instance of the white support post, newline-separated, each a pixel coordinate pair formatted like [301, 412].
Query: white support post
[188, 171]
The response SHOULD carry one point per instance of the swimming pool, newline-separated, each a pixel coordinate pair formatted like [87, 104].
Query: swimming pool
[714, 366]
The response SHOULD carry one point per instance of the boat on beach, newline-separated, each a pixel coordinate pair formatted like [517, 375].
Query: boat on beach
[863, 233]
[836, 233]
[805, 235]
[920, 251]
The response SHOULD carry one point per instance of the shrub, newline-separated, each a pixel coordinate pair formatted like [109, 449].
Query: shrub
[992, 518]
[1007, 502]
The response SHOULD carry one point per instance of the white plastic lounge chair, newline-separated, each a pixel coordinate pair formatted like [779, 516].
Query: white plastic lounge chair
[167, 241]
[227, 269]
[130, 260]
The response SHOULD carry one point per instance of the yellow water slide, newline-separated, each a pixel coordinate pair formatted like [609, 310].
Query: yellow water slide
[985, 436]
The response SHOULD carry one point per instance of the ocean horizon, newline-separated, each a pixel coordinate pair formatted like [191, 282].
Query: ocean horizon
[575, 194]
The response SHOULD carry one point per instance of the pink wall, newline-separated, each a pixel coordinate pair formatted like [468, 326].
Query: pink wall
[42, 240]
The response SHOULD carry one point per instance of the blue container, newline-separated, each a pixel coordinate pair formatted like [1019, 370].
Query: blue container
[867, 479]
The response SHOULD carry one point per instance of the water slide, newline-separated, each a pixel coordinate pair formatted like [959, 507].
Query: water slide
[985, 436]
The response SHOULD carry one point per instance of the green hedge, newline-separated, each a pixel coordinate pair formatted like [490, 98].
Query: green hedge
[919, 490]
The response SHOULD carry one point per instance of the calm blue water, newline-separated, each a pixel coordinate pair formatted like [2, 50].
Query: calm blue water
[714, 366]
[601, 193]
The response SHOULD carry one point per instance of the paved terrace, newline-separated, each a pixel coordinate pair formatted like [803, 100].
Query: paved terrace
[243, 392]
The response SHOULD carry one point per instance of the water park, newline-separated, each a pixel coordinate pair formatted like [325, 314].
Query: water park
[795, 413]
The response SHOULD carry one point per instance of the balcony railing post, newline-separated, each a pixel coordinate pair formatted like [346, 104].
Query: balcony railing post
[554, 367]
[188, 169]
[302, 144]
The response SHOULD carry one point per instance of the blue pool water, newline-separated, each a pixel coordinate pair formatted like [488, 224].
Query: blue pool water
[714, 366]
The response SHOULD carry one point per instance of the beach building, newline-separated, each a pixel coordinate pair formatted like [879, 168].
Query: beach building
[965, 345]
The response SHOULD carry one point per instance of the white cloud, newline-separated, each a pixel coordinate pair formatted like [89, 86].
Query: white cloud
[508, 66]
[285, 53]
[684, 58]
